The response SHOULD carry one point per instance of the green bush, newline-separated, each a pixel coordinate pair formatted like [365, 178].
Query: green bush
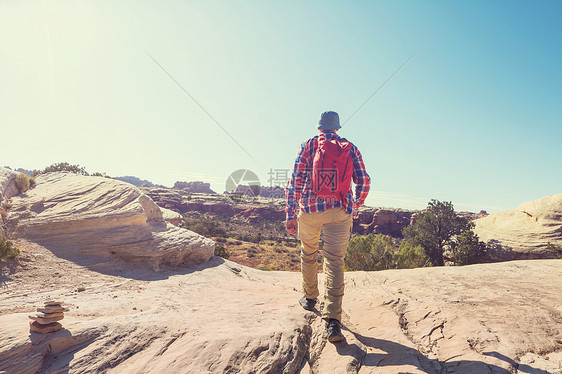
[64, 166]
[370, 253]
[221, 251]
[409, 256]
[205, 227]
[467, 249]
[23, 182]
[7, 249]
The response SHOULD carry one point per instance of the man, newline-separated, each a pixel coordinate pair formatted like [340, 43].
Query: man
[320, 185]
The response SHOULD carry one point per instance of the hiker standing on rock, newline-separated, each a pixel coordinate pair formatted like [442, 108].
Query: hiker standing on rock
[320, 185]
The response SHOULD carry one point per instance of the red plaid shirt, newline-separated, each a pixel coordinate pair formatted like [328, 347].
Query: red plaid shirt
[298, 189]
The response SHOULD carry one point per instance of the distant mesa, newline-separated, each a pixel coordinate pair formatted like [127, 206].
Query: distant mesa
[20, 170]
[524, 232]
[253, 190]
[274, 192]
[135, 181]
[195, 187]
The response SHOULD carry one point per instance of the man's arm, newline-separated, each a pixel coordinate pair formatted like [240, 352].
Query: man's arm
[296, 183]
[360, 178]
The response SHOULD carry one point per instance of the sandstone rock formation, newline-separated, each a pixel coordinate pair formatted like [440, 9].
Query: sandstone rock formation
[525, 232]
[7, 184]
[46, 320]
[221, 317]
[195, 187]
[382, 221]
[92, 218]
[170, 216]
[7, 190]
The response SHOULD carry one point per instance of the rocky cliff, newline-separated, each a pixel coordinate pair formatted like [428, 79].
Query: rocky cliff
[382, 221]
[525, 232]
[251, 210]
[92, 219]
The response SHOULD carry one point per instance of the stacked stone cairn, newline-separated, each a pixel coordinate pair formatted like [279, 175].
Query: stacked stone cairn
[45, 320]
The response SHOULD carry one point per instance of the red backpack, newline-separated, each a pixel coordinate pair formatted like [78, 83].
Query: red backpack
[332, 168]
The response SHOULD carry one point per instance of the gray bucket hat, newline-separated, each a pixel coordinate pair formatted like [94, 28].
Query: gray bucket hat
[329, 121]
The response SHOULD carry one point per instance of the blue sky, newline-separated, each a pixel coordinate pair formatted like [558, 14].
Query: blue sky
[474, 117]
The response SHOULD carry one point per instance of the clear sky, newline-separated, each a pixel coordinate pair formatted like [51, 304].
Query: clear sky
[474, 117]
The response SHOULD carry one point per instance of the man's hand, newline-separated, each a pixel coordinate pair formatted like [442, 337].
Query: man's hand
[291, 226]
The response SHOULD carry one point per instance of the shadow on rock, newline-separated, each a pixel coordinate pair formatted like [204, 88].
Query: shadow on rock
[143, 272]
[50, 352]
[388, 353]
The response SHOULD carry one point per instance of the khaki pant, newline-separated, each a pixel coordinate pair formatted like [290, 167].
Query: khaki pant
[336, 224]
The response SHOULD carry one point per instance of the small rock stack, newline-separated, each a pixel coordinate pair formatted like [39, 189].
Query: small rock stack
[45, 320]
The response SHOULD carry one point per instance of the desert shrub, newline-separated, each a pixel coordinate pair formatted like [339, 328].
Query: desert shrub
[370, 253]
[23, 182]
[63, 166]
[221, 240]
[439, 228]
[556, 250]
[8, 250]
[98, 174]
[221, 251]
[252, 250]
[237, 198]
[409, 256]
[205, 227]
[466, 249]
[256, 238]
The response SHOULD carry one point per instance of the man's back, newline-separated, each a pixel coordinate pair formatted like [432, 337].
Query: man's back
[299, 189]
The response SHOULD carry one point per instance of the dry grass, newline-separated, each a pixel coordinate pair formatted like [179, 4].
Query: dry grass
[267, 255]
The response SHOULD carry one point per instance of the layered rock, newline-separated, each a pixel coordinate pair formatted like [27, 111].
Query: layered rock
[195, 187]
[78, 216]
[170, 216]
[217, 205]
[382, 221]
[525, 232]
[7, 184]
[46, 319]
[7, 190]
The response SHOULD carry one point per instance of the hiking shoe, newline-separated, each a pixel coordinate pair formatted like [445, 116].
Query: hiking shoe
[307, 304]
[333, 330]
